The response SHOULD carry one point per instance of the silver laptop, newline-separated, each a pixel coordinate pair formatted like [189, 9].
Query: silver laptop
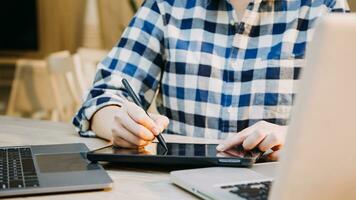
[319, 160]
[42, 169]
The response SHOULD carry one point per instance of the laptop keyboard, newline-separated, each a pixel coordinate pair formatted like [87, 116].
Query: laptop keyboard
[250, 191]
[17, 169]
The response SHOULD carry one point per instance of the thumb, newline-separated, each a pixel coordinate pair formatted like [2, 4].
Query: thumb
[160, 120]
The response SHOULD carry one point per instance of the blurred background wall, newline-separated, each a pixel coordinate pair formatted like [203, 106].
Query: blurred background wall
[352, 5]
[35, 29]
[114, 15]
[65, 24]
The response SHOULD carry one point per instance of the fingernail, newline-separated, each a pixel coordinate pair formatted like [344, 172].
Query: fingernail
[162, 129]
[220, 147]
[155, 130]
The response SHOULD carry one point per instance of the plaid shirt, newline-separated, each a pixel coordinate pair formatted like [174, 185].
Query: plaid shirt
[215, 75]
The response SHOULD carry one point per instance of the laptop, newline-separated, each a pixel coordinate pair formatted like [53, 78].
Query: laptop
[26, 170]
[318, 160]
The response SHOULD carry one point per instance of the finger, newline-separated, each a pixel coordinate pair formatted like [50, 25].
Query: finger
[135, 128]
[140, 116]
[278, 147]
[129, 137]
[122, 143]
[222, 154]
[234, 153]
[161, 121]
[230, 142]
[270, 141]
[236, 139]
[274, 156]
[252, 140]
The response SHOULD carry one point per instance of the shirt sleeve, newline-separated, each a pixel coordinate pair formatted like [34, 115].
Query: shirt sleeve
[340, 6]
[138, 57]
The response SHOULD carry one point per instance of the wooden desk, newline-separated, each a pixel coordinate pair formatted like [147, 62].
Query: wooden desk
[129, 183]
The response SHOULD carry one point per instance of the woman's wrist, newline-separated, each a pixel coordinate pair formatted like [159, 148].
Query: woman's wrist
[103, 120]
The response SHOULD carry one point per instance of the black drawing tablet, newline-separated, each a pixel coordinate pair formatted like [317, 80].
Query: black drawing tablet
[177, 154]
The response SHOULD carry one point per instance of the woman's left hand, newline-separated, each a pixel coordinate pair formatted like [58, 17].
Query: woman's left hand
[263, 135]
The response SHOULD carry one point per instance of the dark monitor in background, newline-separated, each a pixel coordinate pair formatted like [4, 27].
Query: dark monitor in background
[18, 26]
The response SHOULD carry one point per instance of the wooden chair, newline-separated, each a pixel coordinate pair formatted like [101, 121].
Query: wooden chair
[31, 93]
[50, 89]
[66, 83]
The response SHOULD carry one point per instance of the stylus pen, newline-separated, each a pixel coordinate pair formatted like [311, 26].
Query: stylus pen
[137, 102]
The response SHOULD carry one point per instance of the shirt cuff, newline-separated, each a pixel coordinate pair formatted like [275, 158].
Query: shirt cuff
[82, 119]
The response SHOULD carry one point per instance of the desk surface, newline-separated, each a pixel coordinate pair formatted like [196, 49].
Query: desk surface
[129, 183]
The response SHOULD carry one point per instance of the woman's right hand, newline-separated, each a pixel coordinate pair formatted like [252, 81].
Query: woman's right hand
[128, 126]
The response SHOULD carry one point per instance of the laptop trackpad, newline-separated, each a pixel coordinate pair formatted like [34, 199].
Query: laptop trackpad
[51, 163]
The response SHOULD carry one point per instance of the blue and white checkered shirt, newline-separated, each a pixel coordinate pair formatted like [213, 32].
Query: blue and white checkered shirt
[215, 75]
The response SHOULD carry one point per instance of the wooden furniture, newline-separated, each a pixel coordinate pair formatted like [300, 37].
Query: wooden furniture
[54, 88]
[46, 89]
[7, 71]
[30, 94]
[129, 183]
[72, 75]
[66, 83]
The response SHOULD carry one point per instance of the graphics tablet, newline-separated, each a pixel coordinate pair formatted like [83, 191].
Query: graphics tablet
[177, 154]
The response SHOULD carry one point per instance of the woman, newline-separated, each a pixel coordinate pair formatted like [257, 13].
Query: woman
[222, 68]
